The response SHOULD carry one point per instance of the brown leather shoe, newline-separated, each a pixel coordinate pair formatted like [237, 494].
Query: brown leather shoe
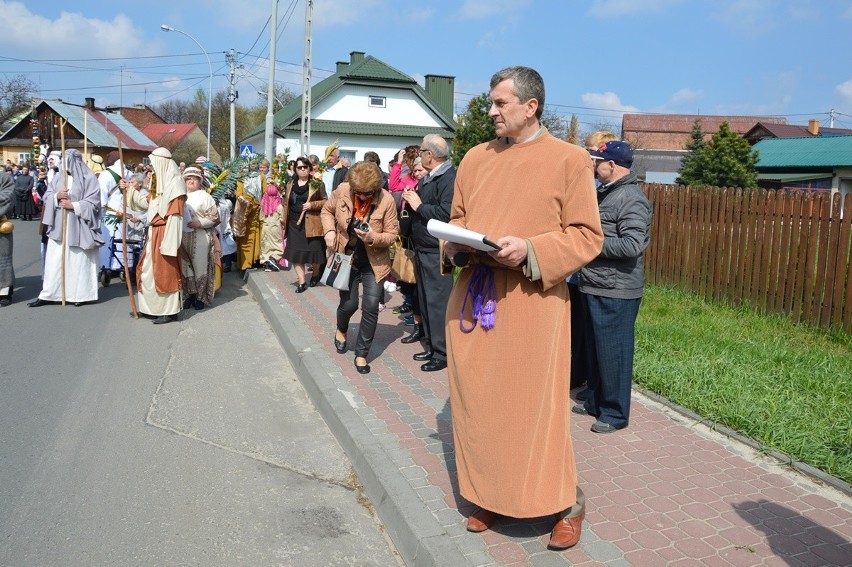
[566, 532]
[480, 520]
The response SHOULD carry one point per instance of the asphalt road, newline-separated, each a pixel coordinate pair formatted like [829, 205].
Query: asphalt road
[191, 443]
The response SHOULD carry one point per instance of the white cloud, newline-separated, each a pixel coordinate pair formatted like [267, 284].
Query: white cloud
[173, 83]
[606, 101]
[70, 34]
[480, 9]
[420, 16]
[686, 96]
[618, 8]
[748, 16]
[492, 39]
[845, 90]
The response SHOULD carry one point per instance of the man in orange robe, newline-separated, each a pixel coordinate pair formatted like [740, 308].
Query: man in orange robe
[508, 318]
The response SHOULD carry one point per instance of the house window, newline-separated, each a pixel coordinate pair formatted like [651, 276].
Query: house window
[377, 101]
[24, 158]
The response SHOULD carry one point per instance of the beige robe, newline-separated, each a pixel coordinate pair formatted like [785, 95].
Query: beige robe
[509, 385]
[272, 235]
[199, 257]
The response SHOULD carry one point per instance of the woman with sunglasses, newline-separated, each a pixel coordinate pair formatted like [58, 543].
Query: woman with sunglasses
[360, 219]
[304, 198]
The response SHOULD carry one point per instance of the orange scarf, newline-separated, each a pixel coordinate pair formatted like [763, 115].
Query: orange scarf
[361, 207]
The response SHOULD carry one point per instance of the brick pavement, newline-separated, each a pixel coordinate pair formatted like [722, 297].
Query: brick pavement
[664, 491]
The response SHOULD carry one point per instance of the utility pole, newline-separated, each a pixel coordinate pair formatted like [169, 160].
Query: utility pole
[305, 136]
[232, 97]
[831, 114]
[268, 147]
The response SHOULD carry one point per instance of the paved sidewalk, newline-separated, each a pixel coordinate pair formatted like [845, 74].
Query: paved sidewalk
[665, 491]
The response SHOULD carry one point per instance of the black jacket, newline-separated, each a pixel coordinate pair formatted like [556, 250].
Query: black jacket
[436, 192]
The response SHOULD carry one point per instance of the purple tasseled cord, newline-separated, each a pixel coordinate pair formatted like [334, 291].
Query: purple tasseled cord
[483, 292]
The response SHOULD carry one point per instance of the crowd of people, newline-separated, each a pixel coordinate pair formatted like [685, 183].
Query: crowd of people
[570, 227]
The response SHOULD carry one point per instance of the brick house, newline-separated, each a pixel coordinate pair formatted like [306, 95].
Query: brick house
[660, 139]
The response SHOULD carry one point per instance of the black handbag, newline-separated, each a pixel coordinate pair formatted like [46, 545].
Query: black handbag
[405, 222]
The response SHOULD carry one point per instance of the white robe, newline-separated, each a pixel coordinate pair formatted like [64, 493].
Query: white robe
[81, 274]
[81, 269]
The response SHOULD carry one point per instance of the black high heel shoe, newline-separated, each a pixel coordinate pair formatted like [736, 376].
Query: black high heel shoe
[301, 288]
[340, 346]
[361, 369]
[315, 281]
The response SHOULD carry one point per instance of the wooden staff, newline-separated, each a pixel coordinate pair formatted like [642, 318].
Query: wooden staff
[86, 156]
[62, 123]
[124, 196]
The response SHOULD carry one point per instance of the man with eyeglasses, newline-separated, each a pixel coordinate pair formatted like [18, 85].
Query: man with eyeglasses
[432, 200]
[335, 171]
[508, 318]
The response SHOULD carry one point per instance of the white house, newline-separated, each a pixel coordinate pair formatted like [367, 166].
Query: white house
[366, 105]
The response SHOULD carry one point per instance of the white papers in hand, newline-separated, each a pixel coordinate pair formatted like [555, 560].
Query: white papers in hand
[459, 235]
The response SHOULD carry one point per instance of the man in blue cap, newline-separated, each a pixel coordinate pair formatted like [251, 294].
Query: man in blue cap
[611, 288]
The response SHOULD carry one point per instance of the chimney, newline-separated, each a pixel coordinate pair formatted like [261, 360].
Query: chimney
[356, 57]
[342, 67]
[441, 91]
[90, 103]
[813, 126]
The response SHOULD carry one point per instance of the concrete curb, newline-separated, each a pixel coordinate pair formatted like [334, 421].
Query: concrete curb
[415, 531]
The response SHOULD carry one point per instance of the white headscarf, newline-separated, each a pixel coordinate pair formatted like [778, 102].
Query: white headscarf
[170, 183]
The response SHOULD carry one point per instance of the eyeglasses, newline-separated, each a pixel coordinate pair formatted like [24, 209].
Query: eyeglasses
[302, 167]
[364, 193]
[421, 152]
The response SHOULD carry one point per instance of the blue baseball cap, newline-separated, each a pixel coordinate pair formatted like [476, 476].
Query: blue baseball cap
[619, 152]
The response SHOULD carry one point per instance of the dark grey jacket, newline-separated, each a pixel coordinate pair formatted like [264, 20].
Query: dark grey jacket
[626, 221]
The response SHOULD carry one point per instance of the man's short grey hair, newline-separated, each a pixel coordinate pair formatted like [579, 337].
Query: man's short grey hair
[437, 145]
[528, 84]
[138, 178]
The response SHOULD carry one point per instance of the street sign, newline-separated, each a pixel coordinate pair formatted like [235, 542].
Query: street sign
[246, 150]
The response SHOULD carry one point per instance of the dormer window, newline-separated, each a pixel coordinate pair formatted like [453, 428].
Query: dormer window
[376, 101]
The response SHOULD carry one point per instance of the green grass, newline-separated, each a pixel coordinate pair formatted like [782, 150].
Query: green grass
[785, 385]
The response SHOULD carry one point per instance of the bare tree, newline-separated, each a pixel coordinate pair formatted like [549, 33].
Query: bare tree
[174, 111]
[282, 95]
[556, 125]
[16, 94]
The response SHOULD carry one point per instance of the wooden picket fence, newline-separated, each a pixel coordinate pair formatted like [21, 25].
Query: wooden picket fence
[786, 252]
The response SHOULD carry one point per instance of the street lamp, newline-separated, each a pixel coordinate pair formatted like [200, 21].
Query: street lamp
[278, 100]
[166, 28]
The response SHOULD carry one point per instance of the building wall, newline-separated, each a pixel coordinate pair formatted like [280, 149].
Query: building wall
[350, 104]
[842, 181]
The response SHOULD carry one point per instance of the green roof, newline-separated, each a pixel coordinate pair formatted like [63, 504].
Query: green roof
[372, 129]
[371, 72]
[811, 151]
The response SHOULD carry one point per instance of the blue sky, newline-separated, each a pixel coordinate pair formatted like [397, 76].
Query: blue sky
[599, 58]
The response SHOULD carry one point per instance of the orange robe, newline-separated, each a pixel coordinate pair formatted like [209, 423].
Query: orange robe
[509, 385]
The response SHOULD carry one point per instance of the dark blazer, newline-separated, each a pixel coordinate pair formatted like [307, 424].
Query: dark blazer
[24, 187]
[436, 192]
[339, 176]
